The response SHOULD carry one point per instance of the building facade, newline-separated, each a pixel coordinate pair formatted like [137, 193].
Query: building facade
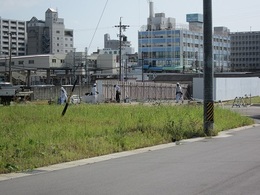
[245, 51]
[112, 44]
[15, 31]
[166, 47]
[49, 36]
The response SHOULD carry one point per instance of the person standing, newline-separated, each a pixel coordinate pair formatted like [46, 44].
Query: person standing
[118, 93]
[179, 93]
[94, 93]
[63, 96]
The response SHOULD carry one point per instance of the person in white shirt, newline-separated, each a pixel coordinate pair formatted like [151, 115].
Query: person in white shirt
[63, 96]
[118, 93]
[179, 93]
[94, 93]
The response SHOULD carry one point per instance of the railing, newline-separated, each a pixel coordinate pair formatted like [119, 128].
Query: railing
[242, 101]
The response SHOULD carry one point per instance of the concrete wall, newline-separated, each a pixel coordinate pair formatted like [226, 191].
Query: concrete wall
[136, 91]
[228, 88]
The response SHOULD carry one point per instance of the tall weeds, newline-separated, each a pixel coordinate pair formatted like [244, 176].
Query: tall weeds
[36, 135]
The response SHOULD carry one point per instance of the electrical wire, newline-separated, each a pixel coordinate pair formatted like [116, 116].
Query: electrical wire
[97, 25]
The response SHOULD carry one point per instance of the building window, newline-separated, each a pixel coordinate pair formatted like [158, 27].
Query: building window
[20, 62]
[53, 60]
[58, 32]
[31, 61]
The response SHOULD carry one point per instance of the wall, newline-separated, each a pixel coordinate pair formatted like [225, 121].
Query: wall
[228, 88]
[136, 91]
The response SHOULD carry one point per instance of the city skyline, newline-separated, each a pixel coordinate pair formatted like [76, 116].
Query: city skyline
[90, 20]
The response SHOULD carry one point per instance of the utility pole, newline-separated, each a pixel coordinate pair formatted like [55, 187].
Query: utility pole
[86, 65]
[120, 26]
[10, 57]
[208, 68]
[74, 64]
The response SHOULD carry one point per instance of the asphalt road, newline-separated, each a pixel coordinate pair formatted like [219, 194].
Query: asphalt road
[226, 164]
[251, 111]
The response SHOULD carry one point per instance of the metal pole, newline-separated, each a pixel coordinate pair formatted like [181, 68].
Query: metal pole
[74, 65]
[86, 65]
[126, 69]
[10, 58]
[120, 49]
[208, 69]
[142, 61]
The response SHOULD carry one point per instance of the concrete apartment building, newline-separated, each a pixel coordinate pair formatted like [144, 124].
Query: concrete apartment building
[38, 49]
[167, 47]
[113, 44]
[245, 51]
[49, 36]
[15, 31]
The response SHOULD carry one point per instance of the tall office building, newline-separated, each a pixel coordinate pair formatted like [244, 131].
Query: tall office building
[49, 36]
[164, 46]
[15, 31]
[245, 51]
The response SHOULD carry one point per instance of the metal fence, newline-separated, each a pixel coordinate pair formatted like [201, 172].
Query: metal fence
[134, 91]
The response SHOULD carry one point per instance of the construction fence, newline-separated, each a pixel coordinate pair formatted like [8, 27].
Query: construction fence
[130, 91]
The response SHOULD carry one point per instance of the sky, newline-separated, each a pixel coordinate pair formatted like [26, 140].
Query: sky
[91, 19]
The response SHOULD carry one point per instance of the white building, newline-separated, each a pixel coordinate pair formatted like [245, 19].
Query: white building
[158, 21]
[14, 30]
[108, 64]
[112, 46]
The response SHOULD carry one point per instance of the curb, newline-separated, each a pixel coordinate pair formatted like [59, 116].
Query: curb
[92, 160]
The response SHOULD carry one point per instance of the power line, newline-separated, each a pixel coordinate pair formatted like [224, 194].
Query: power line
[97, 25]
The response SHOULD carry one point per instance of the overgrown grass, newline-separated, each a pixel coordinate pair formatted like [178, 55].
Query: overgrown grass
[36, 135]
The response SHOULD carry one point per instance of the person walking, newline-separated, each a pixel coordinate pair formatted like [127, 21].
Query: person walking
[179, 93]
[118, 93]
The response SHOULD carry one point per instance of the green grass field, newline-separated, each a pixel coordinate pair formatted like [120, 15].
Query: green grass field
[32, 136]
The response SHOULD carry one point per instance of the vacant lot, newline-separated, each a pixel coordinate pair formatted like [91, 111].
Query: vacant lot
[36, 135]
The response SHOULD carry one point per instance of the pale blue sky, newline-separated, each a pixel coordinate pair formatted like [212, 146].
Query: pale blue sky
[83, 15]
